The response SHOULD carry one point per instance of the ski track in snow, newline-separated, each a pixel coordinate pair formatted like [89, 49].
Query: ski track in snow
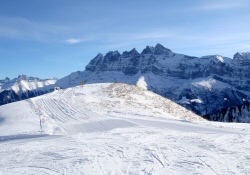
[80, 136]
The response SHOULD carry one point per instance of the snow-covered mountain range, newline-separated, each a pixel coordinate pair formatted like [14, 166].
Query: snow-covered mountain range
[23, 87]
[203, 85]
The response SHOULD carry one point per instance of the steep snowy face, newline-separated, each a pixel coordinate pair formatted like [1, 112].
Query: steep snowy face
[23, 87]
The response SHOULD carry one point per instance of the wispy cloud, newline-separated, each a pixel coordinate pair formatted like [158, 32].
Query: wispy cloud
[139, 36]
[73, 41]
[245, 45]
[178, 34]
[130, 40]
[152, 35]
[219, 5]
[18, 28]
[199, 42]
[223, 5]
[72, 59]
[25, 29]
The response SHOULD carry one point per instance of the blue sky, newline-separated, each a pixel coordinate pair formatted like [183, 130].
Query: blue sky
[52, 38]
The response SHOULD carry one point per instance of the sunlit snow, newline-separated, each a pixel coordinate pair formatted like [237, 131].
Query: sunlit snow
[116, 129]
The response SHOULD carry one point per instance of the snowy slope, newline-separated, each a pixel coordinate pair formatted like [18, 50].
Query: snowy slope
[201, 95]
[116, 129]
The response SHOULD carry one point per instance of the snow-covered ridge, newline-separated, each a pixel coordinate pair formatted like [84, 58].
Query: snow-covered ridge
[24, 87]
[138, 98]
[25, 77]
[70, 106]
[27, 85]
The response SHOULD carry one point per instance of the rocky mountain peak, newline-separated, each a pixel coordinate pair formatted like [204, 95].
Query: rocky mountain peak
[111, 57]
[130, 53]
[241, 56]
[159, 46]
[242, 59]
[96, 61]
[99, 55]
[148, 50]
[6, 80]
[112, 53]
[133, 52]
[161, 50]
[22, 77]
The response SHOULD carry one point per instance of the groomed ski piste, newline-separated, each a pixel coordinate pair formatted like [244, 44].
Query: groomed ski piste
[114, 128]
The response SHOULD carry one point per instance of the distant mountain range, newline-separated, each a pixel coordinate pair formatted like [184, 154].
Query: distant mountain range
[24, 87]
[204, 85]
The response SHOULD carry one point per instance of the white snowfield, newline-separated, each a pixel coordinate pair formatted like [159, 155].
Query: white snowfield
[116, 129]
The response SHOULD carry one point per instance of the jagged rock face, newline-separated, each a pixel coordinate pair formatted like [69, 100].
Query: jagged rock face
[163, 61]
[227, 77]
[161, 50]
[128, 62]
[94, 63]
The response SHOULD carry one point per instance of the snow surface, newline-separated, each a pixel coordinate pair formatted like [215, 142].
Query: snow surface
[141, 83]
[209, 83]
[116, 129]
